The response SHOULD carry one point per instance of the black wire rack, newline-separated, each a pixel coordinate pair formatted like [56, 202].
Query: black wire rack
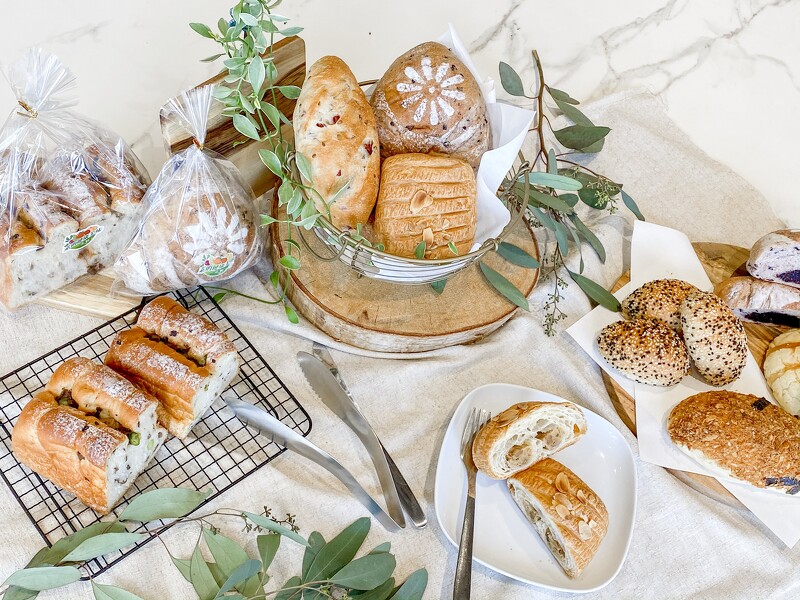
[218, 453]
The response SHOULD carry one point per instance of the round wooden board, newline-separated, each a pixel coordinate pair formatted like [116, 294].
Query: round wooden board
[386, 317]
[720, 262]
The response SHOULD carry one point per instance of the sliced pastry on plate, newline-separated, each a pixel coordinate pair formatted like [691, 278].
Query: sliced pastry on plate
[524, 434]
[570, 518]
[178, 356]
[91, 432]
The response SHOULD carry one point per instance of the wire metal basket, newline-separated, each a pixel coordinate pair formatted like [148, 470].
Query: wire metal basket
[217, 455]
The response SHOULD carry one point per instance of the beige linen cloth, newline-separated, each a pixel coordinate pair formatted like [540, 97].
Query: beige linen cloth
[684, 544]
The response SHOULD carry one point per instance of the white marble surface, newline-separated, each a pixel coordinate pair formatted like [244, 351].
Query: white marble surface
[728, 71]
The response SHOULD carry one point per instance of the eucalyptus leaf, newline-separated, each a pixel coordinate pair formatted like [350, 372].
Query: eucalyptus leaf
[339, 551]
[578, 137]
[211, 58]
[367, 572]
[64, 546]
[562, 96]
[256, 73]
[506, 289]
[510, 80]
[110, 592]
[228, 554]
[290, 91]
[631, 204]
[570, 199]
[43, 578]
[382, 592]
[438, 287]
[593, 197]
[551, 201]
[552, 162]
[419, 251]
[216, 572]
[201, 578]
[414, 587]
[572, 113]
[576, 238]
[202, 30]
[245, 126]
[315, 544]
[164, 503]
[271, 525]
[384, 547]
[240, 574]
[561, 237]
[17, 593]
[304, 166]
[589, 236]
[557, 182]
[289, 589]
[102, 544]
[596, 292]
[268, 545]
[543, 218]
[184, 567]
[272, 162]
[517, 256]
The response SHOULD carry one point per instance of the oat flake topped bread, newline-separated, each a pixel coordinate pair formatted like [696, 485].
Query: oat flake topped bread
[570, 518]
[715, 338]
[645, 350]
[429, 101]
[334, 128]
[741, 436]
[659, 299]
[526, 433]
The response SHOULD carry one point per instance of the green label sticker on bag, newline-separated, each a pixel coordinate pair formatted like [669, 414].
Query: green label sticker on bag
[81, 239]
[214, 266]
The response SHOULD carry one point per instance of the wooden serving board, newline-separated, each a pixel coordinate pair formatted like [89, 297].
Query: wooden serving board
[720, 261]
[386, 317]
[92, 295]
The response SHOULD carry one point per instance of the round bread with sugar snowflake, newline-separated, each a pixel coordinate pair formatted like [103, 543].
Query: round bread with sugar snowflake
[428, 101]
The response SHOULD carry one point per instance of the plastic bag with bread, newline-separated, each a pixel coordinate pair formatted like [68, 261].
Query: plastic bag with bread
[70, 190]
[201, 224]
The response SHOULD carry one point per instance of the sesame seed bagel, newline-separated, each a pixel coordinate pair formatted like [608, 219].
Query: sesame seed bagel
[714, 336]
[645, 350]
[658, 299]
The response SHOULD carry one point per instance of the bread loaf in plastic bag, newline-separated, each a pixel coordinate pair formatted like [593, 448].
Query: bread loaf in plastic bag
[70, 190]
[201, 224]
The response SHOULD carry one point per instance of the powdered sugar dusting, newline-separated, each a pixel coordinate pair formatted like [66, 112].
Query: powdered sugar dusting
[427, 92]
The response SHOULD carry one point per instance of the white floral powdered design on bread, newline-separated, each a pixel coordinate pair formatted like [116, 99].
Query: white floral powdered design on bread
[429, 90]
[215, 244]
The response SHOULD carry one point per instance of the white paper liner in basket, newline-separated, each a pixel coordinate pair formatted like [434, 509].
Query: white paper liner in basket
[509, 128]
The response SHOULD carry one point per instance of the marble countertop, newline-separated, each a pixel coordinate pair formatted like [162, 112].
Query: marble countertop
[728, 72]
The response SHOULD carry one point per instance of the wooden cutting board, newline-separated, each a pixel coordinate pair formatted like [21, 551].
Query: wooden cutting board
[720, 261]
[386, 317]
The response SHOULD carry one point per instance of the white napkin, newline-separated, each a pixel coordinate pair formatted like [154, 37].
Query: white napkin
[657, 253]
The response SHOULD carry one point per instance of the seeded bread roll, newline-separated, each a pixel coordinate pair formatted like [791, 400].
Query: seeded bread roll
[760, 301]
[428, 101]
[740, 436]
[782, 370]
[776, 257]
[526, 433]
[426, 198]
[714, 337]
[659, 299]
[334, 128]
[570, 518]
[645, 350]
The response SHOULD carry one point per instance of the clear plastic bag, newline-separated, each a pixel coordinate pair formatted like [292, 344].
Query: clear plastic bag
[70, 191]
[201, 222]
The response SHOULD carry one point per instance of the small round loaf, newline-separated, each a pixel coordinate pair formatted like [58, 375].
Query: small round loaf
[782, 370]
[714, 337]
[429, 101]
[524, 434]
[645, 350]
[659, 299]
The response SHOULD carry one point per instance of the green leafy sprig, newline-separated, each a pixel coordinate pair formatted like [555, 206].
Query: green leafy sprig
[552, 185]
[329, 569]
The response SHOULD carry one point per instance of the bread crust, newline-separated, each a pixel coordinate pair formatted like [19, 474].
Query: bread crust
[658, 299]
[565, 503]
[782, 370]
[776, 257]
[334, 128]
[645, 350]
[524, 433]
[761, 301]
[419, 193]
[714, 337]
[747, 436]
[429, 101]
[66, 446]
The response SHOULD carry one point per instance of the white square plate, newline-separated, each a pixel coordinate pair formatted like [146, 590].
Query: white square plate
[504, 540]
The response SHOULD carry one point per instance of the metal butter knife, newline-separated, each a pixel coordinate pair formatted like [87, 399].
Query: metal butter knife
[348, 410]
[288, 438]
